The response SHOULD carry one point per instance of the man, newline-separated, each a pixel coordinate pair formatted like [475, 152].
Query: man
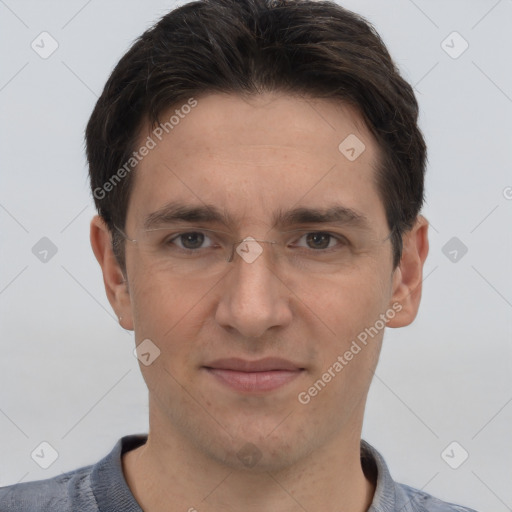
[258, 173]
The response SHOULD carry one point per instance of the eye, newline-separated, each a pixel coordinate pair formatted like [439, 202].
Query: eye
[189, 241]
[320, 240]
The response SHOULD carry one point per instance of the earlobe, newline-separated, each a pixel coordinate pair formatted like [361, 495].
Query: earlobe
[408, 276]
[114, 280]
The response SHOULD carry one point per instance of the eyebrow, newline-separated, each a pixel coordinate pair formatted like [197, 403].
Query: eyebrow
[180, 212]
[336, 214]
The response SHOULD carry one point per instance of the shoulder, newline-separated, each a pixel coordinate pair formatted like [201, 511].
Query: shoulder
[392, 496]
[420, 501]
[99, 486]
[68, 492]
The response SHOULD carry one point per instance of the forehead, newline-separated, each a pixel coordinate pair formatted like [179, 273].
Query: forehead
[253, 156]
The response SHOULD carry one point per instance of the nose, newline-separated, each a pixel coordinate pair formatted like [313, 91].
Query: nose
[253, 297]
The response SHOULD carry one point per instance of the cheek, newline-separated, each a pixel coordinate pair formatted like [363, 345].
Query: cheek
[343, 305]
[171, 313]
[159, 301]
[349, 340]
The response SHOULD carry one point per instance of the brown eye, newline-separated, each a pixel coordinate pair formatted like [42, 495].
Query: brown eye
[190, 241]
[318, 240]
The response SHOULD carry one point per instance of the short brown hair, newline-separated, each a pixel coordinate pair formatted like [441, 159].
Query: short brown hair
[313, 48]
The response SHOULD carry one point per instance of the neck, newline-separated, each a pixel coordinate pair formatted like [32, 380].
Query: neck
[169, 473]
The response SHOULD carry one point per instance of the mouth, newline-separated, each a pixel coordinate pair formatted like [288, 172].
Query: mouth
[254, 376]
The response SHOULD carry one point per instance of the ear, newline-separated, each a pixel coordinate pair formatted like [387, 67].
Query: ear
[408, 276]
[116, 285]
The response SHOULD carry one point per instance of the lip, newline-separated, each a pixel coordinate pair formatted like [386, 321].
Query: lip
[254, 376]
[261, 365]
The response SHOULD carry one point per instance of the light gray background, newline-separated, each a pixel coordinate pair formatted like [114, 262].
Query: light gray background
[67, 372]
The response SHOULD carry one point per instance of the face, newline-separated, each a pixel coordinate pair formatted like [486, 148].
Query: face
[314, 290]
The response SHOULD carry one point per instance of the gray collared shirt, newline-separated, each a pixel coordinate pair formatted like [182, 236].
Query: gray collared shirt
[102, 488]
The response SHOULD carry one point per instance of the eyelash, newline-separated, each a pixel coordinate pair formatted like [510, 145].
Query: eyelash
[342, 241]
